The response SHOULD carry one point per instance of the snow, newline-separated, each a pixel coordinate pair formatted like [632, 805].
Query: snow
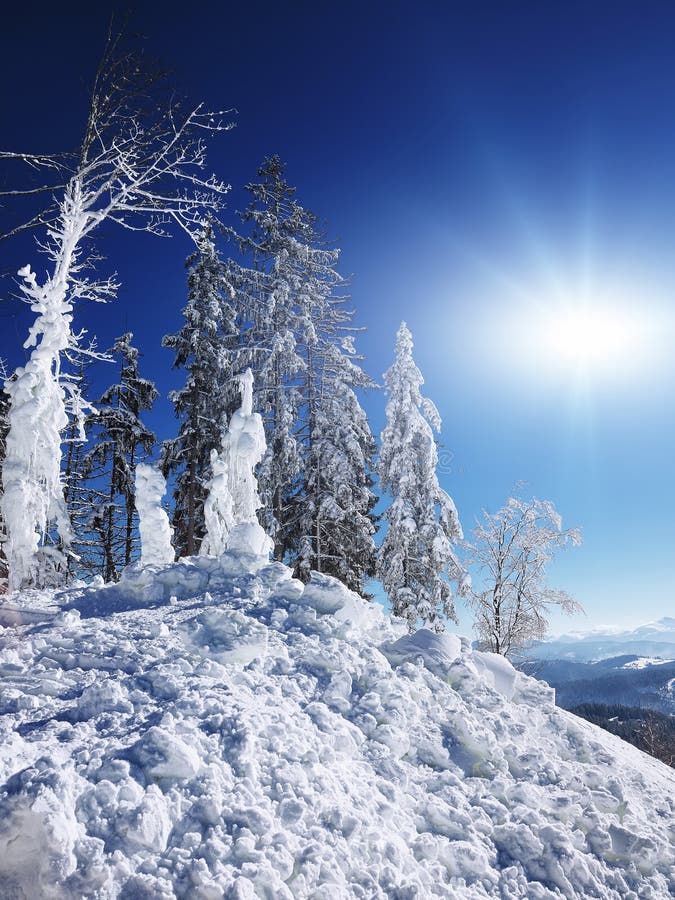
[498, 671]
[32, 500]
[643, 661]
[153, 522]
[218, 512]
[436, 651]
[230, 508]
[328, 596]
[214, 728]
